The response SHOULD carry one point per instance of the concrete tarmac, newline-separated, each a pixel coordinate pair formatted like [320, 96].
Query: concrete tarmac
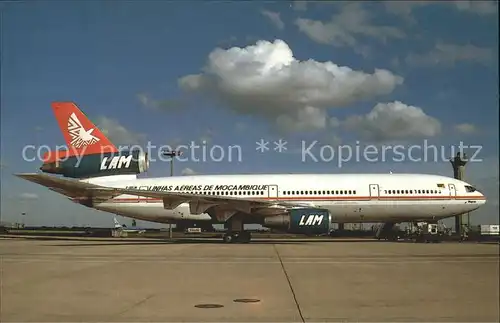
[127, 280]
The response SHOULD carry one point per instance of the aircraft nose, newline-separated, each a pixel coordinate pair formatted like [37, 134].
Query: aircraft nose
[483, 198]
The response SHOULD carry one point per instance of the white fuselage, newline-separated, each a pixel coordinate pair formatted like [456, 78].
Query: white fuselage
[349, 197]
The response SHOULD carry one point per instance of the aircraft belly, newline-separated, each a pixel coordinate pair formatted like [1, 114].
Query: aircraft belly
[342, 211]
[379, 210]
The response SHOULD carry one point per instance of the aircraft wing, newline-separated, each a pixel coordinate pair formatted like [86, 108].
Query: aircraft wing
[224, 206]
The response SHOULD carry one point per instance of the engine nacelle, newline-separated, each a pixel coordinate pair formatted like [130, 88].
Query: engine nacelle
[302, 221]
[95, 165]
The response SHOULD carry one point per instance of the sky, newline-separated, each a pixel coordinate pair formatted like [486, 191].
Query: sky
[323, 77]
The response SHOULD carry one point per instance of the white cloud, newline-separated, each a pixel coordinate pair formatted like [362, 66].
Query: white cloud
[153, 104]
[188, 171]
[405, 9]
[117, 133]
[274, 18]
[394, 121]
[447, 55]
[307, 119]
[465, 128]
[345, 27]
[265, 79]
[29, 196]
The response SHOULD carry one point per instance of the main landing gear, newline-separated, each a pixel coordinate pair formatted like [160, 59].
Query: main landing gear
[237, 237]
[236, 232]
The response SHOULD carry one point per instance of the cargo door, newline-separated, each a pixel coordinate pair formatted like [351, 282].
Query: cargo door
[374, 191]
[272, 191]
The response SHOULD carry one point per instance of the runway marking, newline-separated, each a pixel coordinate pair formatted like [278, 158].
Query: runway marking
[289, 284]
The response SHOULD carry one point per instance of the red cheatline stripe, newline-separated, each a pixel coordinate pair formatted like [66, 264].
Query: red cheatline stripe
[320, 198]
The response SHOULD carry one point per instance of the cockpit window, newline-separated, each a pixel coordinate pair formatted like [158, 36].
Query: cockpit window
[469, 189]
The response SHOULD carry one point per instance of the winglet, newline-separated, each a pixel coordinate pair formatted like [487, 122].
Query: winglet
[81, 135]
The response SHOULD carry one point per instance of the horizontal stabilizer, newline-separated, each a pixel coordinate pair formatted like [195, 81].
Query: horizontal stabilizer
[68, 187]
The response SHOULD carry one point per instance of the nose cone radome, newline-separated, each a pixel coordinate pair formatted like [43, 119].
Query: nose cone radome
[483, 199]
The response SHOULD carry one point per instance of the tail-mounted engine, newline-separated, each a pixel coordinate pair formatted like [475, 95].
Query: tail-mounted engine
[302, 221]
[95, 165]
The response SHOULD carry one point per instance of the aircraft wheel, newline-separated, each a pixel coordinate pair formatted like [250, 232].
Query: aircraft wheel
[228, 238]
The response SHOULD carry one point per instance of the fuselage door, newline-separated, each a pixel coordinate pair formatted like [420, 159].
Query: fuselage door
[272, 191]
[453, 190]
[374, 191]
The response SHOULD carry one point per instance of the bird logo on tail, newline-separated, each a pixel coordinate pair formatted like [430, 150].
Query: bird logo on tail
[79, 135]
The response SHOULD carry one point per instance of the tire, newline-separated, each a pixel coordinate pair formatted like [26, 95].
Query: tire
[228, 238]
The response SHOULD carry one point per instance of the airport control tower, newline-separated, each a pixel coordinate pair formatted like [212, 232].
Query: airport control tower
[458, 162]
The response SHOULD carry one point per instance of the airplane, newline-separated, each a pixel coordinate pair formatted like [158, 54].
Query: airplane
[96, 175]
[123, 228]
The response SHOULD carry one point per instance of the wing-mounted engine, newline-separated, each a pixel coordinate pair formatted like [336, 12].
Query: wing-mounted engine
[302, 221]
[96, 165]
